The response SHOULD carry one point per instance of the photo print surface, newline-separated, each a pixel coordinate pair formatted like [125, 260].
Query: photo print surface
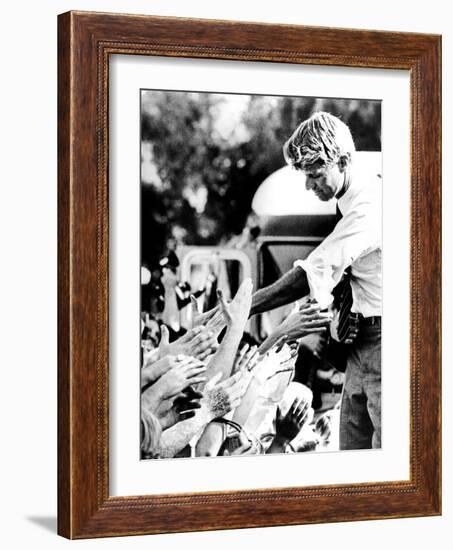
[261, 245]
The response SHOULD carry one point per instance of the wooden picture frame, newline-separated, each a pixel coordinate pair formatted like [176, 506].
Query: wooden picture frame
[85, 41]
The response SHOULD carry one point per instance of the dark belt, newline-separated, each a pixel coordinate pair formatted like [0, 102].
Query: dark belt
[369, 321]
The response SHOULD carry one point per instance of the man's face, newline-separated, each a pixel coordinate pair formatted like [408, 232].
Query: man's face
[324, 180]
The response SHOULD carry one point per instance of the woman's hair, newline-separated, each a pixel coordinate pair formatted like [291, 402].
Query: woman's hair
[150, 434]
[322, 138]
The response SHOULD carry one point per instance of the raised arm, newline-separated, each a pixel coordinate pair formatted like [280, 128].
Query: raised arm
[170, 315]
[237, 313]
[218, 400]
[288, 426]
[178, 436]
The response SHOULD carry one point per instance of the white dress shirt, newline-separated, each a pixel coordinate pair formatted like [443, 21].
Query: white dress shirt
[356, 241]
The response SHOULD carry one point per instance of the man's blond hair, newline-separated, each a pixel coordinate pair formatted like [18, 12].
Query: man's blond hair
[322, 138]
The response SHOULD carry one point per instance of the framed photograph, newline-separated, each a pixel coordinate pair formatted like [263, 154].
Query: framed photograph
[249, 275]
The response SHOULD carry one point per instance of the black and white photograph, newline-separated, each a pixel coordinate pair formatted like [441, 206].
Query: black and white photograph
[261, 275]
[228, 251]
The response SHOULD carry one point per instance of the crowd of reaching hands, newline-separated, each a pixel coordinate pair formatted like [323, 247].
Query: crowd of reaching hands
[206, 392]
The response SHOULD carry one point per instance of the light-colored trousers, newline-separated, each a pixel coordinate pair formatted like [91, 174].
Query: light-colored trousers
[360, 414]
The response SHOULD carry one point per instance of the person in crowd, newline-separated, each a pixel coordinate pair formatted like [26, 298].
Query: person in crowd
[194, 387]
[217, 400]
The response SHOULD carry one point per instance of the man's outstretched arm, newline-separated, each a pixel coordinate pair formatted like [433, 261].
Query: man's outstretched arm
[290, 287]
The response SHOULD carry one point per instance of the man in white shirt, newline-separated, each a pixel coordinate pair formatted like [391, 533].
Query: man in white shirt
[322, 148]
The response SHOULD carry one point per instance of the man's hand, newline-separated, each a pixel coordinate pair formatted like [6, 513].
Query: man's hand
[308, 319]
[198, 342]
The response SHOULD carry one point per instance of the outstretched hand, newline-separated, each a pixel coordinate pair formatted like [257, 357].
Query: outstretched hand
[200, 318]
[153, 371]
[198, 342]
[308, 319]
[246, 359]
[187, 372]
[238, 310]
[221, 398]
[224, 314]
[288, 426]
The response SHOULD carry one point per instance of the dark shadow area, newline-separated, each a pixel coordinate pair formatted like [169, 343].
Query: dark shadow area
[49, 523]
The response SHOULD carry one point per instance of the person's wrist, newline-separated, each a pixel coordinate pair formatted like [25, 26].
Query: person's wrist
[161, 372]
[162, 389]
[172, 349]
[153, 399]
[205, 414]
[148, 377]
[165, 421]
[150, 357]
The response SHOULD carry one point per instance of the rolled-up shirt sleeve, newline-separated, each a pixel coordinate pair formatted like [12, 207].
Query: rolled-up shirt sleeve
[356, 234]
